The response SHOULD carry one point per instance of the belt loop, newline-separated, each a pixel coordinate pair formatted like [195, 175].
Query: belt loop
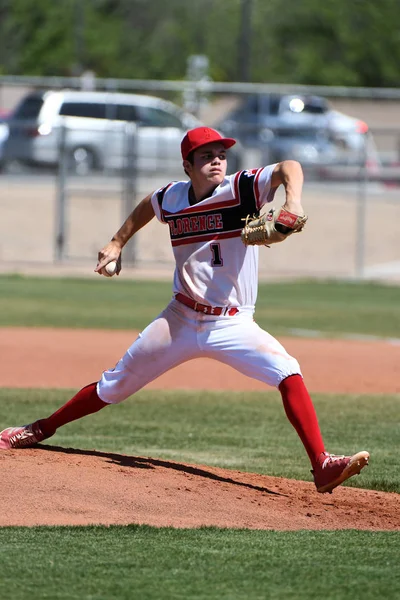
[195, 306]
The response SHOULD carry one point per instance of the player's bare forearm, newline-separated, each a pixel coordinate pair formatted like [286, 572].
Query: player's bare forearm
[139, 217]
[290, 174]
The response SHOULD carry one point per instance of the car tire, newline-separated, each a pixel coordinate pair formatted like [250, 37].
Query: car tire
[14, 167]
[82, 160]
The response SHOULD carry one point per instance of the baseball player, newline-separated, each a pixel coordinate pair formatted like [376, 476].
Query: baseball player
[214, 296]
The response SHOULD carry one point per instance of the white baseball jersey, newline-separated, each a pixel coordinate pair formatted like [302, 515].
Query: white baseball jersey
[212, 264]
[214, 267]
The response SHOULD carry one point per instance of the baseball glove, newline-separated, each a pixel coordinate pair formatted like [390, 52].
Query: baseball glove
[271, 227]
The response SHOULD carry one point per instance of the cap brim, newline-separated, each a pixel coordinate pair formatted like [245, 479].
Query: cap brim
[228, 142]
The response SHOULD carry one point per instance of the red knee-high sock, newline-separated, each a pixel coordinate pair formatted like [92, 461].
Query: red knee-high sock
[85, 402]
[301, 413]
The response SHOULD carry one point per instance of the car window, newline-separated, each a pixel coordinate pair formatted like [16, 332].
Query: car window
[155, 117]
[84, 109]
[274, 102]
[267, 104]
[127, 112]
[251, 104]
[29, 108]
[301, 133]
[314, 107]
[301, 104]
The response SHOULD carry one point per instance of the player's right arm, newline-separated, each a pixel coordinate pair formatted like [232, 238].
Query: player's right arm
[139, 217]
[289, 173]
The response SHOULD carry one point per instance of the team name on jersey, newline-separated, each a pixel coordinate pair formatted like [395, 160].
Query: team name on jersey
[219, 220]
[195, 224]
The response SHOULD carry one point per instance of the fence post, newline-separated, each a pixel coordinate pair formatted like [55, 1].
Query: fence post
[60, 221]
[361, 213]
[129, 192]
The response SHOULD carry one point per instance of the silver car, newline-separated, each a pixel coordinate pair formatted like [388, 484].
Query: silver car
[97, 130]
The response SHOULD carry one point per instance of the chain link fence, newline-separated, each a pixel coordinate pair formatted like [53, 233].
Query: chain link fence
[63, 213]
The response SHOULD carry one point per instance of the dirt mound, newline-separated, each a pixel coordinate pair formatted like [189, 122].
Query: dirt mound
[65, 486]
[78, 487]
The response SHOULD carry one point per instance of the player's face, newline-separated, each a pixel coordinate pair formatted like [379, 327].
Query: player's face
[209, 164]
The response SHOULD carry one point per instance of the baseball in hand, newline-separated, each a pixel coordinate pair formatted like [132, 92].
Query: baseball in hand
[110, 269]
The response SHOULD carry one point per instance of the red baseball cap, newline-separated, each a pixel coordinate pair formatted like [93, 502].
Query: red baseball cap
[200, 136]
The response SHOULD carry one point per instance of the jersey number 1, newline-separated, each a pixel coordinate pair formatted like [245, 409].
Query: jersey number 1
[216, 260]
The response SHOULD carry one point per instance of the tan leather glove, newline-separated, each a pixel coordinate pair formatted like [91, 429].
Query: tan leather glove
[271, 227]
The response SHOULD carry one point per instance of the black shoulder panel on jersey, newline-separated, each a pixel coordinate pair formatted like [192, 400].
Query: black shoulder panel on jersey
[246, 191]
[160, 198]
[161, 193]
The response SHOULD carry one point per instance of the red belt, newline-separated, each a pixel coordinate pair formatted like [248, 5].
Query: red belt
[206, 308]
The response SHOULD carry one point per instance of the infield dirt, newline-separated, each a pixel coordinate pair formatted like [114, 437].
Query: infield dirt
[69, 486]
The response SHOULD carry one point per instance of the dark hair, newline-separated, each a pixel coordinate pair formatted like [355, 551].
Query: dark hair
[190, 158]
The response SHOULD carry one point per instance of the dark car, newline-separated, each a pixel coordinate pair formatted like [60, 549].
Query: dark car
[310, 145]
[302, 127]
[257, 115]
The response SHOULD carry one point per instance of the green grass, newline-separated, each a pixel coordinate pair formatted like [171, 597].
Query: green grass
[75, 303]
[236, 431]
[249, 432]
[333, 307]
[144, 563]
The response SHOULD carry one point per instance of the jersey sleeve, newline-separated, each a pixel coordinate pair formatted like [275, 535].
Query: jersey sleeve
[157, 200]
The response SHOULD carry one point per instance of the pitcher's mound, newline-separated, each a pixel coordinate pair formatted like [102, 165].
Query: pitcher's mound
[49, 485]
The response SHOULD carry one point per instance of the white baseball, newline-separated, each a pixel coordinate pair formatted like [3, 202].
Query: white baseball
[110, 269]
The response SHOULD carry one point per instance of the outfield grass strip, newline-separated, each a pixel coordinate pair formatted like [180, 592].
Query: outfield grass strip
[121, 563]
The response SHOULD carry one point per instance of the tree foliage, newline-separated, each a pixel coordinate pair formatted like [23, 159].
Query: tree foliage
[335, 42]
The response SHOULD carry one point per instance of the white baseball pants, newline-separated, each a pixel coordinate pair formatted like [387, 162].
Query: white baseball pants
[180, 334]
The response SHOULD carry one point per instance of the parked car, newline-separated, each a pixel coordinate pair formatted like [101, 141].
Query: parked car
[281, 124]
[310, 145]
[96, 126]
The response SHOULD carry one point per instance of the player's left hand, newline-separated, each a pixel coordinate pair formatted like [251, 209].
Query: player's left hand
[271, 227]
